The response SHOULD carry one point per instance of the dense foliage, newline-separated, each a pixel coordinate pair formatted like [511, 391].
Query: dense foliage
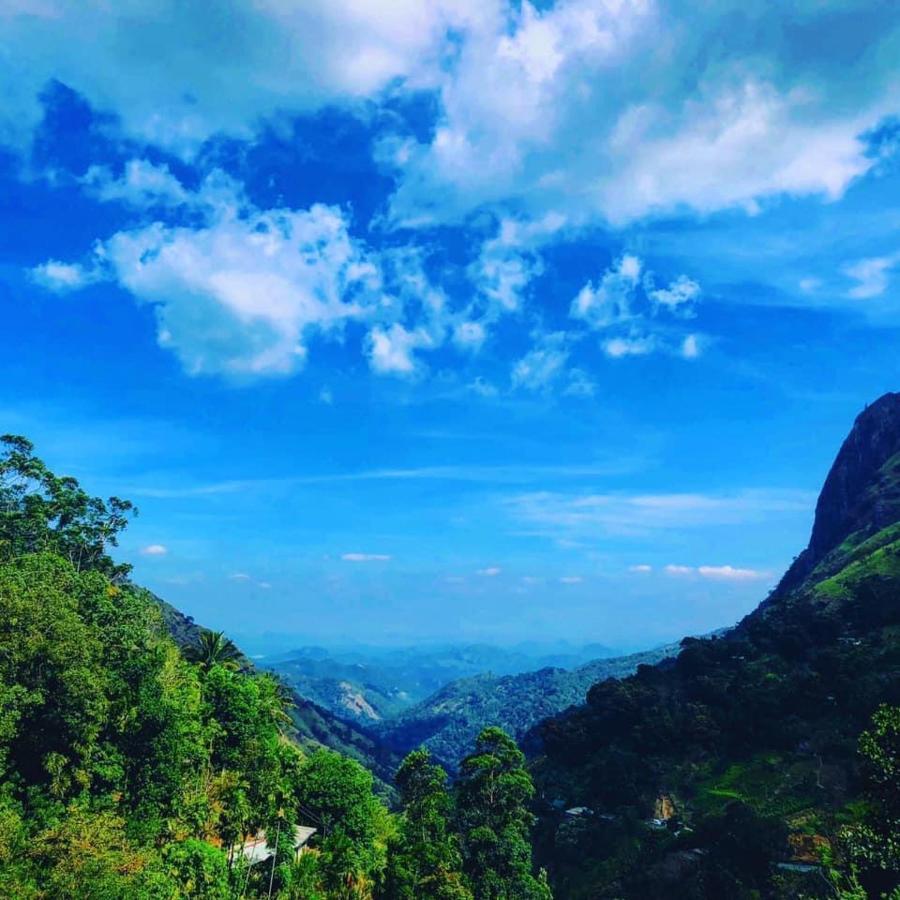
[447, 722]
[752, 739]
[132, 768]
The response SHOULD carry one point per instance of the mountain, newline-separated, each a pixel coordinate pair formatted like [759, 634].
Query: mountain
[371, 684]
[448, 721]
[744, 748]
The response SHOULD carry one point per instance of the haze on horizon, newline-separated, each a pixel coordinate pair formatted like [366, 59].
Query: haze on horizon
[451, 321]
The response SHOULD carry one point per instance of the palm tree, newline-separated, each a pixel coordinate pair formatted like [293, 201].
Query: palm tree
[213, 648]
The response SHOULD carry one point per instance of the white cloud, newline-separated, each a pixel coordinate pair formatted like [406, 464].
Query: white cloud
[61, 277]
[509, 261]
[483, 388]
[617, 110]
[540, 367]
[239, 576]
[242, 292]
[580, 384]
[730, 573]
[142, 184]
[264, 585]
[577, 516]
[610, 302]
[154, 550]
[175, 75]
[391, 349]
[638, 345]
[365, 557]
[489, 572]
[641, 569]
[571, 579]
[679, 297]
[678, 570]
[637, 317]
[597, 109]
[871, 276]
[469, 335]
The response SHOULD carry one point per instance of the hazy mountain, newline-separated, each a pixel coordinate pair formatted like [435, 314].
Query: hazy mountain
[371, 684]
[448, 721]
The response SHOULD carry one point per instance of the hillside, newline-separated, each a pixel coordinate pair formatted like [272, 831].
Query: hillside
[370, 684]
[448, 721]
[750, 739]
[314, 725]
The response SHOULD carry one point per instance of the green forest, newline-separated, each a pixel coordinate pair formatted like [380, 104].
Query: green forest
[142, 756]
[131, 767]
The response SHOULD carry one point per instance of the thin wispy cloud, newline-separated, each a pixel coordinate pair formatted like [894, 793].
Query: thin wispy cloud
[365, 557]
[154, 550]
[559, 514]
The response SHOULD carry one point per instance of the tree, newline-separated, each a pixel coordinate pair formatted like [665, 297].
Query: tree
[493, 794]
[425, 860]
[214, 648]
[335, 795]
[872, 847]
[40, 511]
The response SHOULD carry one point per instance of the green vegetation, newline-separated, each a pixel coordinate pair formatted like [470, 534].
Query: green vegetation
[753, 737]
[133, 768]
[449, 721]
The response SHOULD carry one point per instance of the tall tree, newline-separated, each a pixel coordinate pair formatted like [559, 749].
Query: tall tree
[872, 847]
[493, 794]
[425, 860]
[214, 648]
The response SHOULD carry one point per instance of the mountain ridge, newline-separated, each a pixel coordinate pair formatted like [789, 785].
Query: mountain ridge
[749, 737]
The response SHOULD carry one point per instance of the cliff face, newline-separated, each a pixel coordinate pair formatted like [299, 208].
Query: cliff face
[861, 494]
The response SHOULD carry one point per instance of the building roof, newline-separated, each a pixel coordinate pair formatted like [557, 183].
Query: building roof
[257, 850]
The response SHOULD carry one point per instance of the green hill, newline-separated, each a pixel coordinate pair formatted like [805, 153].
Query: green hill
[447, 722]
[744, 747]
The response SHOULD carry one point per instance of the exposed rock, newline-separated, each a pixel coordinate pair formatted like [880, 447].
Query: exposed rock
[849, 502]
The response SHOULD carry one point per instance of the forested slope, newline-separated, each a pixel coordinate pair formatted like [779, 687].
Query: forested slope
[750, 742]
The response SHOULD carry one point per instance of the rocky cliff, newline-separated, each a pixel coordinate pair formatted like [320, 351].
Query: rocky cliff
[861, 494]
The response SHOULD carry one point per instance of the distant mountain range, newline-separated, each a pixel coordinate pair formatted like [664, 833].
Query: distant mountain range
[372, 684]
[448, 721]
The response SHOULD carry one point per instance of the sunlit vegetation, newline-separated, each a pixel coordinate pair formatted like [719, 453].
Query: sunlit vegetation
[132, 768]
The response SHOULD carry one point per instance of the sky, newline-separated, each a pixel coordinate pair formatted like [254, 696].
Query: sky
[461, 319]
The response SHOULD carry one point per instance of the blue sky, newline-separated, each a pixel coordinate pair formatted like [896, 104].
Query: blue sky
[464, 320]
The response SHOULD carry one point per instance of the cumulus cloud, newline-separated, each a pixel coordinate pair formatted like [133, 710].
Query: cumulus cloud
[610, 302]
[641, 569]
[616, 111]
[637, 317]
[489, 572]
[142, 184]
[672, 569]
[154, 550]
[62, 277]
[174, 75]
[391, 349]
[365, 557]
[241, 292]
[638, 345]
